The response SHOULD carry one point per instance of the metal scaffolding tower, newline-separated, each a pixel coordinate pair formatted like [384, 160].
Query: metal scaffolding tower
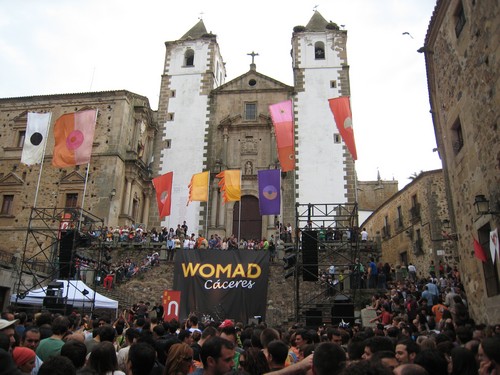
[53, 239]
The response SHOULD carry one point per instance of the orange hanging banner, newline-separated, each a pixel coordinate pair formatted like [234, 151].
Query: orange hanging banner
[282, 116]
[341, 109]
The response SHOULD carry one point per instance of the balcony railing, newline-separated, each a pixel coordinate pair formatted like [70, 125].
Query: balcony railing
[398, 224]
[418, 246]
[415, 212]
[386, 231]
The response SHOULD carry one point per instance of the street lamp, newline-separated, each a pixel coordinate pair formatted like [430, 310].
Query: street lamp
[482, 206]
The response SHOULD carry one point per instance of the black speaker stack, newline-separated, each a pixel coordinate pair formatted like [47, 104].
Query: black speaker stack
[309, 255]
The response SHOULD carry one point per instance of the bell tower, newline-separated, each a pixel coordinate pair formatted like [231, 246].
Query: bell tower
[325, 168]
[193, 68]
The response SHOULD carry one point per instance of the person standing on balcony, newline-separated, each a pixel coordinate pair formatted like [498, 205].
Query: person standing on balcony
[364, 235]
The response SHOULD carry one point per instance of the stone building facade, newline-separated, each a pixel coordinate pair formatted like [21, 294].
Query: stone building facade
[212, 125]
[117, 188]
[462, 58]
[413, 226]
[372, 194]
[202, 124]
[243, 138]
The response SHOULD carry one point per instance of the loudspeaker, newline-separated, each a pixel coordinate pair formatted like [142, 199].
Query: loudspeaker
[310, 255]
[343, 312]
[314, 318]
[56, 305]
[65, 253]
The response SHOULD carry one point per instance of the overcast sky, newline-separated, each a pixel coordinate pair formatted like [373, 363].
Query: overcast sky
[67, 46]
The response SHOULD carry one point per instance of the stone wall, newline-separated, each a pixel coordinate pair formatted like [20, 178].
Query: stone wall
[462, 57]
[410, 226]
[371, 194]
[124, 121]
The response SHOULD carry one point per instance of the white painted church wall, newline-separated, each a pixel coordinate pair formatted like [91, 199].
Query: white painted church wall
[321, 174]
[185, 157]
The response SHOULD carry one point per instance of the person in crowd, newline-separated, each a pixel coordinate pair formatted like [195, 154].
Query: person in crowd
[103, 359]
[30, 339]
[410, 369]
[24, 359]
[386, 358]
[328, 359]
[277, 354]
[76, 351]
[7, 327]
[462, 362]
[57, 365]
[207, 333]
[253, 361]
[141, 359]
[179, 360]
[406, 351]
[375, 344]
[217, 356]
[51, 346]
[489, 356]
[433, 361]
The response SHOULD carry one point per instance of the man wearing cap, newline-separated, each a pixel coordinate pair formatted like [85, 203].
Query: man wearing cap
[7, 327]
[24, 359]
[30, 339]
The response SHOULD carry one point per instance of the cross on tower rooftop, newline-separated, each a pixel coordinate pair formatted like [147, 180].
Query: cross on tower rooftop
[253, 54]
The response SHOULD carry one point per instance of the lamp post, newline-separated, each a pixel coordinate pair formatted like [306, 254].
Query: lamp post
[482, 206]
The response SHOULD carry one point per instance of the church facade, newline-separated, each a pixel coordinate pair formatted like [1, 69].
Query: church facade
[208, 124]
[203, 123]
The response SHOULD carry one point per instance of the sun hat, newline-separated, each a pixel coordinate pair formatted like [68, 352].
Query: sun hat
[7, 323]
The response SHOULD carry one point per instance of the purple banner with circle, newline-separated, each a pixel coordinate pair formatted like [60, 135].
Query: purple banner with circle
[269, 191]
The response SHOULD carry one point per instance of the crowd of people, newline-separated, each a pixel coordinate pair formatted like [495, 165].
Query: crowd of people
[421, 326]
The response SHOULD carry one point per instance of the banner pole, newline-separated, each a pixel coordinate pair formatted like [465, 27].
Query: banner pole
[86, 181]
[41, 163]
[208, 200]
[239, 214]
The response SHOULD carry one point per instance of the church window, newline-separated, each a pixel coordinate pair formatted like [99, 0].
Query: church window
[20, 138]
[189, 58]
[71, 200]
[319, 50]
[172, 93]
[457, 137]
[336, 138]
[459, 19]
[170, 116]
[250, 111]
[333, 84]
[168, 143]
[7, 204]
[252, 82]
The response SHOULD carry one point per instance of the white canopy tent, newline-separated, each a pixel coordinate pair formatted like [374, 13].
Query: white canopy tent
[79, 295]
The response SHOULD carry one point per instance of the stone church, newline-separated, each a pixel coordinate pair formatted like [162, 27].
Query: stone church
[208, 124]
[203, 123]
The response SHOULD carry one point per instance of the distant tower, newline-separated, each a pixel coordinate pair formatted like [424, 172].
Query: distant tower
[193, 67]
[325, 169]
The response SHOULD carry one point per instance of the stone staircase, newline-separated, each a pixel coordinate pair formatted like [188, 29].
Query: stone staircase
[148, 286]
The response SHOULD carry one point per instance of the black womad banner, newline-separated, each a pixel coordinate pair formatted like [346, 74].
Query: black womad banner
[225, 284]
